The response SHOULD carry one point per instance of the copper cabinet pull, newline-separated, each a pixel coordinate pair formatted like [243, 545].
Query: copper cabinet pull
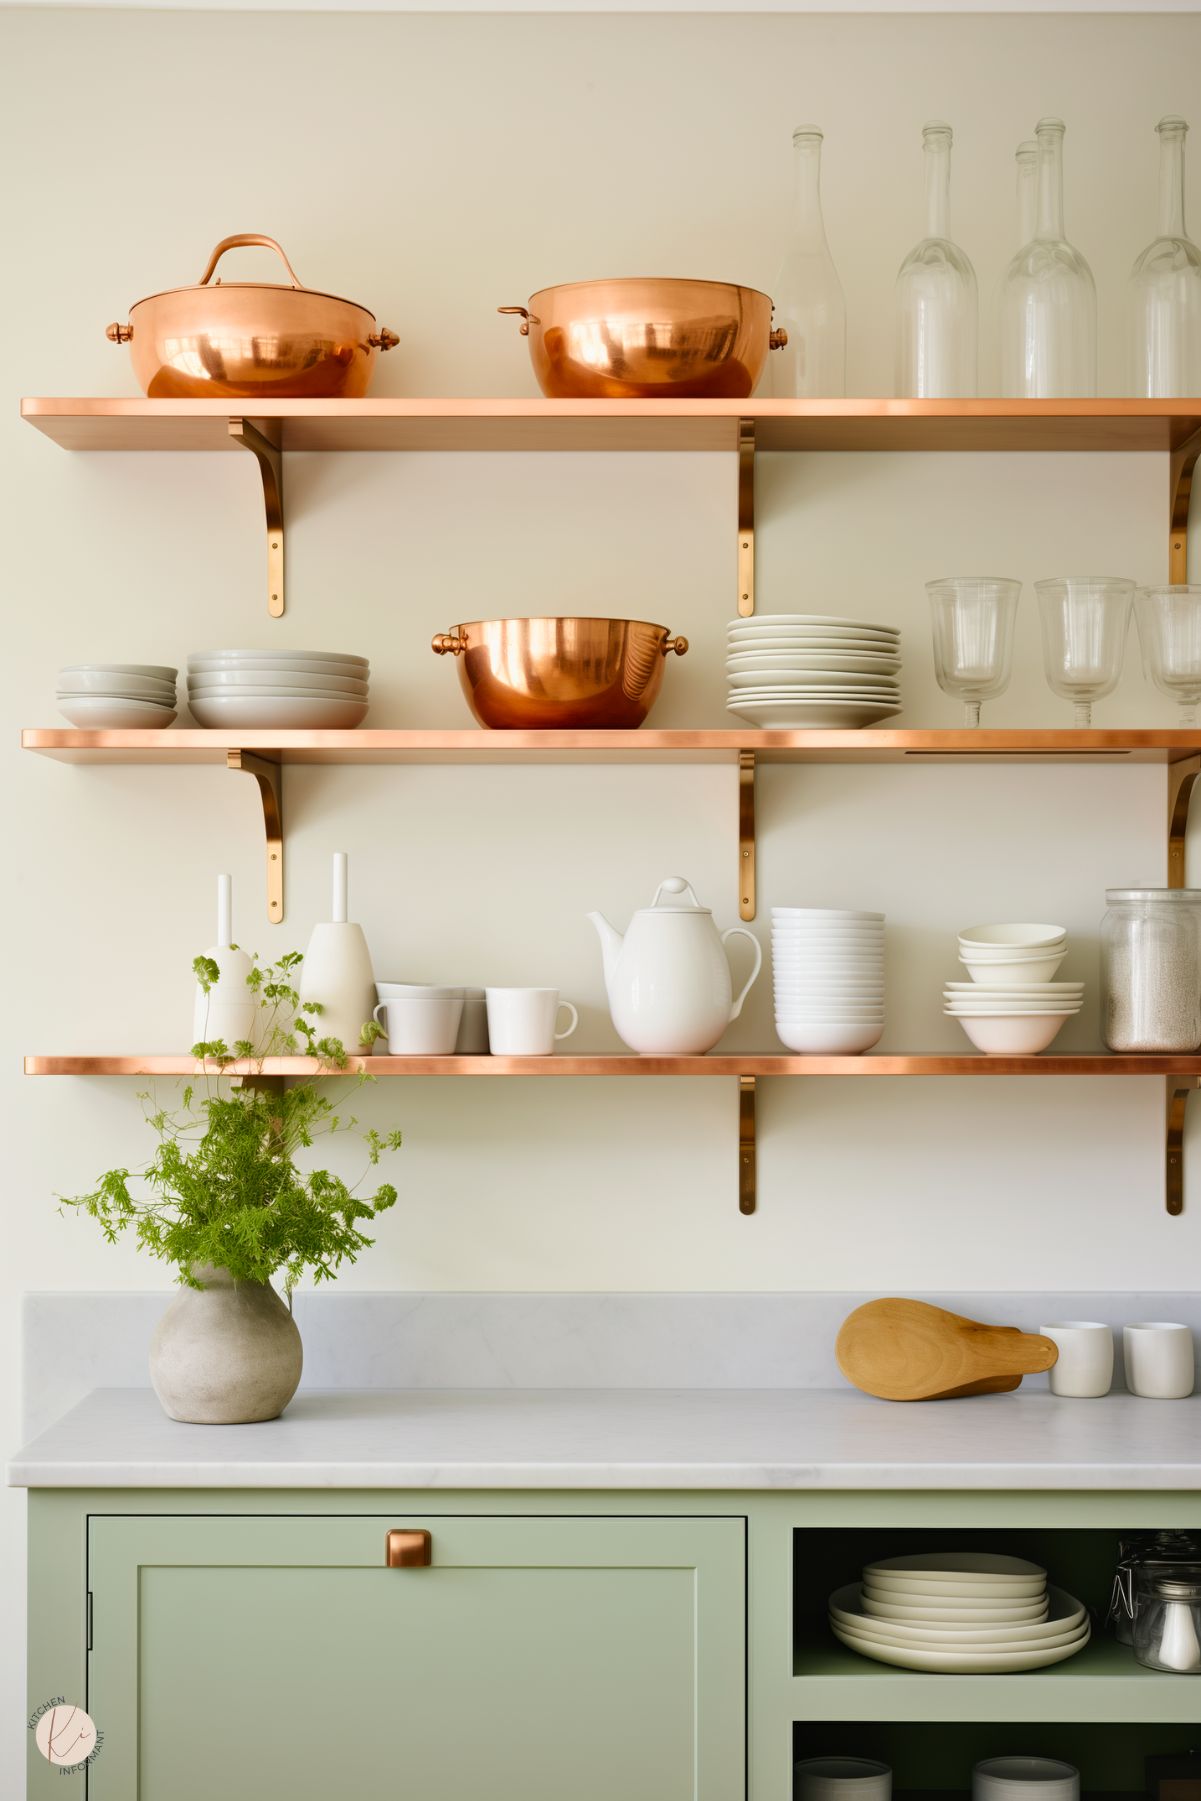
[408, 1550]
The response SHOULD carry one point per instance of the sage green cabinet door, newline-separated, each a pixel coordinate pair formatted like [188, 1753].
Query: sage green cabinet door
[536, 1659]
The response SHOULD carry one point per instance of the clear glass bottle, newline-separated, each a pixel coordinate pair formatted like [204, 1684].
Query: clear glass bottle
[1049, 299]
[936, 294]
[809, 301]
[1165, 288]
[1026, 157]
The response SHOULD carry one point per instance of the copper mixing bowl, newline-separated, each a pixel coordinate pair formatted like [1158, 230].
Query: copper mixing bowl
[648, 338]
[249, 340]
[560, 674]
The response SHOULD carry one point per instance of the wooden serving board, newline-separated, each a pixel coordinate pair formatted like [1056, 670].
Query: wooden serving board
[909, 1351]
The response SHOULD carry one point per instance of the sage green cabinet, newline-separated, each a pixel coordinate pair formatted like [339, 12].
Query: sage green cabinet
[535, 1659]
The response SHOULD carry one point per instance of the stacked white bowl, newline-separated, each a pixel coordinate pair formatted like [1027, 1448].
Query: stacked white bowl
[828, 977]
[315, 690]
[1011, 1006]
[958, 1612]
[1025, 1779]
[117, 697]
[789, 671]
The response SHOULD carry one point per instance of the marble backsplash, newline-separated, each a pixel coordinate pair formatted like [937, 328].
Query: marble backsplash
[76, 1342]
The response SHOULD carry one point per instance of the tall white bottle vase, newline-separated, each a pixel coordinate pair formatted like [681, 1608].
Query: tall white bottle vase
[337, 971]
[229, 1010]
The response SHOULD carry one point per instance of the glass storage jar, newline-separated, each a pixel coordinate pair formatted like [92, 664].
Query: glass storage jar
[1135, 1550]
[1167, 1617]
[1151, 969]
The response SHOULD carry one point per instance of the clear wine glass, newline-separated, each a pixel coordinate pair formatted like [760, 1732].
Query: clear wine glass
[1169, 631]
[1084, 623]
[972, 618]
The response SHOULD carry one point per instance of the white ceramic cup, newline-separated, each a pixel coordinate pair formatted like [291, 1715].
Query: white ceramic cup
[521, 1021]
[841, 1779]
[1025, 1779]
[1084, 1368]
[420, 1026]
[1159, 1359]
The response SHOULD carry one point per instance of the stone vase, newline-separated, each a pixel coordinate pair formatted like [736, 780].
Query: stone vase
[226, 1354]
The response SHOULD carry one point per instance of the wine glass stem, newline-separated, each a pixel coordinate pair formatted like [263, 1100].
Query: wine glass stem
[1084, 712]
[1188, 713]
[971, 712]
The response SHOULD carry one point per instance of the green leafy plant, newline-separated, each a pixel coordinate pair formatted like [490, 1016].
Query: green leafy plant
[223, 1187]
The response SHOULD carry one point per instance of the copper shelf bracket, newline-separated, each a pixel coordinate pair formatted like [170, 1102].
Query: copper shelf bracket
[269, 777]
[271, 468]
[1181, 778]
[1178, 1090]
[1180, 476]
[747, 1151]
[746, 517]
[746, 834]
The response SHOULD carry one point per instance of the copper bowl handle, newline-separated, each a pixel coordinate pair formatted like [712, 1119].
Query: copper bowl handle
[383, 339]
[243, 239]
[777, 338]
[446, 644]
[118, 334]
[678, 644]
[527, 318]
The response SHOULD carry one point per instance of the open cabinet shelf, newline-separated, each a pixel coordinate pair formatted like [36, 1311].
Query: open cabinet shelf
[750, 1065]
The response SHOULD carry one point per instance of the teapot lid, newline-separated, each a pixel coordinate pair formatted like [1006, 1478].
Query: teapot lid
[674, 886]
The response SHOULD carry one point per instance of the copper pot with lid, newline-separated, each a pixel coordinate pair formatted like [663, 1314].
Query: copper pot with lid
[251, 340]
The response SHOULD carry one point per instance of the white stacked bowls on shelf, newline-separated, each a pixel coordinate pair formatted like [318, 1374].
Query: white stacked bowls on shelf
[117, 696]
[1011, 1006]
[315, 690]
[841, 1779]
[792, 671]
[828, 979]
[1025, 1779]
[958, 1612]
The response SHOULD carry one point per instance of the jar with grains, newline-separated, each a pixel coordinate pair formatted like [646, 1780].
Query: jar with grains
[1151, 969]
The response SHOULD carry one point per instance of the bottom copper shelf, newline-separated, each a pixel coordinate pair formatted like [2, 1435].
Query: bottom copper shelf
[751, 1064]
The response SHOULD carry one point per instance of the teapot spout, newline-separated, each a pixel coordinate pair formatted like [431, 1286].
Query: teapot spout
[611, 943]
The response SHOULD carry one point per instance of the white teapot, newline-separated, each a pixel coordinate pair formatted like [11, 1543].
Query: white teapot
[668, 979]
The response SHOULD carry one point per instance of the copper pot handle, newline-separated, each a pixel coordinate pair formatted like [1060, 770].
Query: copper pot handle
[678, 644]
[777, 338]
[245, 239]
[118, 334]
[527, 318]
[383, 339]
[445, 643]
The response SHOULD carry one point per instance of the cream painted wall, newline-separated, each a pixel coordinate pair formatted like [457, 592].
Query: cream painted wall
[434, 168]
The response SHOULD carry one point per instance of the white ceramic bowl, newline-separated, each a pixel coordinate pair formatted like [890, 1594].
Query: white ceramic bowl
[813, 715]
[1012, 937]
[299, 681]
[127, 684]
[819, 915]
[199, 657]
[162, 672]
[1012, 1035]
[997, 1614]
[416, 991]
[1013, 990]
[1025, 1779]
[104, 713]
[1019, 973]
[266, 713]
[301, 665]
[823, 1039]
[837, 1012]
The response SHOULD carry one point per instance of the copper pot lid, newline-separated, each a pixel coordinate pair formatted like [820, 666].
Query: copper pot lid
[249, 239]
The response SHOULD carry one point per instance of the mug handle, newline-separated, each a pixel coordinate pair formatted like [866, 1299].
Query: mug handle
[575, 1020]
[375, 1013]
[741, 932]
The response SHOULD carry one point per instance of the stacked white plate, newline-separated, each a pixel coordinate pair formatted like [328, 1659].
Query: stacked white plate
[789, 671]
[317, 690]
[828, 977]
[1011, 1007]
[117, 697]
[961, 1612]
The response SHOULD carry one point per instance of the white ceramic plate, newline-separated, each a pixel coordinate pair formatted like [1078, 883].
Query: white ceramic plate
[821, 1039]
[129, 685]
[806, 662]
[812, 715]
[101, 713]
[915, 1591]
[198, 657]
[1035, 1009]
[838, 619]
[1013, 989]
[1064, 1614]
[828, 913]
[257, 712]
[954, 1567]
[857, 689]
[301, 681]
[755, 637]
[297, 665]
[773, 676]
[958, 1646]
[162, 671]
[962, 1662]
[921, 1612]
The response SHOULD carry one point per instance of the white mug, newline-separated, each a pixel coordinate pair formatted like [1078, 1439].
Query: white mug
[1159, 1360]
[1084, 1367]
[420, 1026]
[521, 1021]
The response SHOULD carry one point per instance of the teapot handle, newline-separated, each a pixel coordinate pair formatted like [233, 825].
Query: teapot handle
[741, 932]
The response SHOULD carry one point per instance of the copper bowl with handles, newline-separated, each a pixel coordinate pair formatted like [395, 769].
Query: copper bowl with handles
[560, 674]
[251, 340]
[648, 338]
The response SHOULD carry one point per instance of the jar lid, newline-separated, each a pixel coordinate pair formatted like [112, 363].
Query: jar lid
[1169, 896]
[1169, 1581]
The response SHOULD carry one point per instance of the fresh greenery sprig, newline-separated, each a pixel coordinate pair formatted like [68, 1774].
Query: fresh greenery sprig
[286, 1028]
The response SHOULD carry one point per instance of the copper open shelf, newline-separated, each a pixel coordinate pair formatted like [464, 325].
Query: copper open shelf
[747, 1065]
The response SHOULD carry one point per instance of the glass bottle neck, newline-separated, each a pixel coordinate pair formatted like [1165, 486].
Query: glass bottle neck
[937, 147]
[1027, 163]
[806, 191]
[1171, 184]
[1050, 185]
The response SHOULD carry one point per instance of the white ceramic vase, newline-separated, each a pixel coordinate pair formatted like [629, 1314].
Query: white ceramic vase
[229, 1010]
[226, 1354]
[337, 971]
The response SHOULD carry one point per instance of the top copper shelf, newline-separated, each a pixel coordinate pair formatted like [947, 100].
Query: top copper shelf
[707, 425]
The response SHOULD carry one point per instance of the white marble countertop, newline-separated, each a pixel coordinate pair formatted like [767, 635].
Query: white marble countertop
[627, 1439]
